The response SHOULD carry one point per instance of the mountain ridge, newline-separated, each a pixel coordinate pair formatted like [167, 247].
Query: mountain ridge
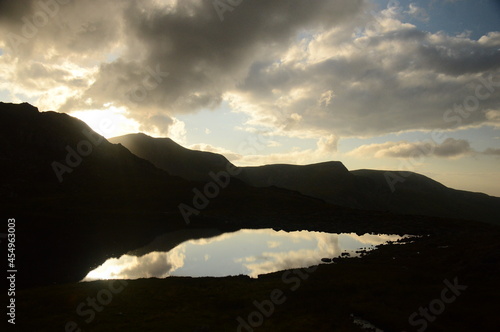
[177, 160]
[332, 182]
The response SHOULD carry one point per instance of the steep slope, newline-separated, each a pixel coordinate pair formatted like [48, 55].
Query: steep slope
[175, 159]
[329, 181]
[76, 197]
[48, 153]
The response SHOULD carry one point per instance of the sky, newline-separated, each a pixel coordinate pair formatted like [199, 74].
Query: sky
[377, 84]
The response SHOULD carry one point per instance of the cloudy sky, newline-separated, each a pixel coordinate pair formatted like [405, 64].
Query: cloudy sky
[410, 85]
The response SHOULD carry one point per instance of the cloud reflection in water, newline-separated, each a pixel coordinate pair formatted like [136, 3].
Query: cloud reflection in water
[249, 252]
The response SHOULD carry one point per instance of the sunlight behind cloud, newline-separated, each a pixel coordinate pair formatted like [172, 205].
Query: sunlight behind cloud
[109, 123]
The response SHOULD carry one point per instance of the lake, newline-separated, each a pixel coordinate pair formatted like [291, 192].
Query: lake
[197, 253]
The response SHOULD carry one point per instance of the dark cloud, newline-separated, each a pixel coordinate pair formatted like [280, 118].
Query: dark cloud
[452, 148]
[459, 56]
[492, 152]
[11, 11]
[204, 56]
[449, 148]
[68, 28]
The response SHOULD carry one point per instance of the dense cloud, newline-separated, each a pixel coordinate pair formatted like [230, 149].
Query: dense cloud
[171, 56]
[188, 59]
[449, 148]
[299, 68]
[492, 152]
[402, 80]
[11, 11]
[61, 28]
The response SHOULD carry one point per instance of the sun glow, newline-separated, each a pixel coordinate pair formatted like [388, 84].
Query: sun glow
[110, 122]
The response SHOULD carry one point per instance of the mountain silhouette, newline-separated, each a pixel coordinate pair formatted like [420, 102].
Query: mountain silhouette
[77, 197]
[172, 157]
[80, 199]
[411, 193]
[46, 153]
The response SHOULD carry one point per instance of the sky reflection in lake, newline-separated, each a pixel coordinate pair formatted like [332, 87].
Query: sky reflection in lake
[248, 252]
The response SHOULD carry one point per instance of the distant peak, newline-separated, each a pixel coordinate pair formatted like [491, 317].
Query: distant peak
[331, 163]
[141, 137]
[337, 165]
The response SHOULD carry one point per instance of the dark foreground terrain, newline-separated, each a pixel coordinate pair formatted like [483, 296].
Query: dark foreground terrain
[385, 287]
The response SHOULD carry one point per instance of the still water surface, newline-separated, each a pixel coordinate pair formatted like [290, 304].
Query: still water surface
[251, 252]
